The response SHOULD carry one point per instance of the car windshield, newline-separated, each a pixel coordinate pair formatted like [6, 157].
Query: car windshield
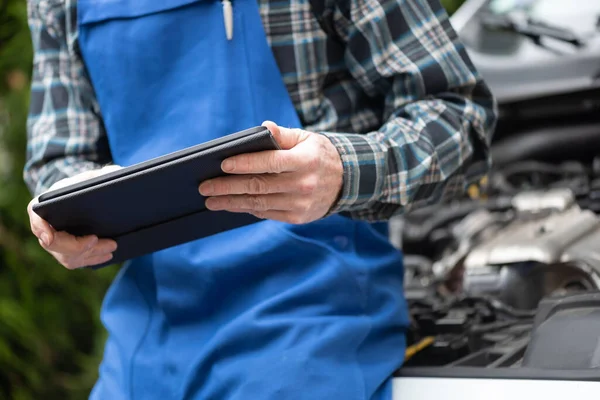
[580, 20]
[559, 12]
[506, 6]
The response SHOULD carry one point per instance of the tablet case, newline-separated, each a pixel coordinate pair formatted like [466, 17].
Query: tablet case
[153, 208]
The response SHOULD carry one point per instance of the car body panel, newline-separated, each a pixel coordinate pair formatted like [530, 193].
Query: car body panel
[515, 67]
[411, 388]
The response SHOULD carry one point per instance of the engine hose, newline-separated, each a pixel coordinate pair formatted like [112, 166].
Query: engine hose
[528, 167]
[440, 217]
[550, 142]
[497, 305]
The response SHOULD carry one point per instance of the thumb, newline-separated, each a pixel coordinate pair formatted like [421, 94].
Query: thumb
[286, 138]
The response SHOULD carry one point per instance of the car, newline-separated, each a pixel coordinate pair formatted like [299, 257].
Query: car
[503, 285]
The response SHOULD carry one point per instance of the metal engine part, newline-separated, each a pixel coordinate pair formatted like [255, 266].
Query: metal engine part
[475, 228]
[549, 247]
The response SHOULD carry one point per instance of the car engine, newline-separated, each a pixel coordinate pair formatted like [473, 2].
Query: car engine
[486, 277]
[506, 281]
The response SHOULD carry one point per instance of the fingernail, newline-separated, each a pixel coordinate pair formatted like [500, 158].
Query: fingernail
[207, 188]
[228, 165]
[45, 239]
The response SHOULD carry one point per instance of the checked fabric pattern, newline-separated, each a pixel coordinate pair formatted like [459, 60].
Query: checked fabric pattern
[386, 80]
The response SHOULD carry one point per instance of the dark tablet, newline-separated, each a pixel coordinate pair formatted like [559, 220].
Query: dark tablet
[155, 204]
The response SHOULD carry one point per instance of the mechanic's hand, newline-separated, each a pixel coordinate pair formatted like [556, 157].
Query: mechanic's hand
[298, 184]
[71, 251]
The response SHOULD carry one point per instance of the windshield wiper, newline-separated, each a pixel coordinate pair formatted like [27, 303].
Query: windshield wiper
[535, 30]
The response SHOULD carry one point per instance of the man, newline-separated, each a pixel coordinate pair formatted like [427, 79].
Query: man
[376, 108]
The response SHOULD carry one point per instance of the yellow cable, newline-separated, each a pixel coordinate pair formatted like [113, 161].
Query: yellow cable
[417, 347]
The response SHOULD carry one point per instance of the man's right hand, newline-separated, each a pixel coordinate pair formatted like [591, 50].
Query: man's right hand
[72, 251]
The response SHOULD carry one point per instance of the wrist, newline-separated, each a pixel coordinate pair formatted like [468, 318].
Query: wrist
[337, 172]
[337, 152]
[361, 162]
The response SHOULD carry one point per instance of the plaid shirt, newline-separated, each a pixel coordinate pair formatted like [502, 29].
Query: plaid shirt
[386, 80]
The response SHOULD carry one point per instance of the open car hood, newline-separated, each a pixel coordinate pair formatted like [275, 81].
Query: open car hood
[508, 284]
[510, 63]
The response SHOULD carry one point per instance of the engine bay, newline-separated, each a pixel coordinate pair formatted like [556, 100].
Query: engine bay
[508, 278]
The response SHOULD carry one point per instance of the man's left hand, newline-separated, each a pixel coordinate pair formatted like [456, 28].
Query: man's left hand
[298, 184]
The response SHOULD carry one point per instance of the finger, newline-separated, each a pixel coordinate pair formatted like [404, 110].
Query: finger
[103, 247]
[264, 162]
[286, 138]
[275, 215]
[248, 184]
[240, 211]
[90, 262]
[40, 228]
[67, 261]
[282, 216]
[72, 263]
[97, 255]
[65, 243]
[250, 202]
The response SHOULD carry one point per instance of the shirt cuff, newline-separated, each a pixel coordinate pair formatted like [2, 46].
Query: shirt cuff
[52, 173]
[363, 161]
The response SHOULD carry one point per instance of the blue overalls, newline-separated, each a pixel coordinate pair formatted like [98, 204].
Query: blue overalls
[267, 311]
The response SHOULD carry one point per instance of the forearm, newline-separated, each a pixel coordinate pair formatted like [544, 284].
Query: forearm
[65, 134]
[438, 114]
[40, 176]
[426, 152]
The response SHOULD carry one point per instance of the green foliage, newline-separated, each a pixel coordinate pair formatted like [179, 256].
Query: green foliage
[50, 335]
[452, 5]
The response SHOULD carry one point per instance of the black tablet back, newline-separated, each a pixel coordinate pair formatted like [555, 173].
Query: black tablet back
[156, 207]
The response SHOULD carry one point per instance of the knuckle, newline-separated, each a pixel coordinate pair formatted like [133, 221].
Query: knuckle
[36, 225]
[275, 163]
[80, 247]
[257, 184]
[258, 203]
[242, 163]
[221, 186]
[34, 228]
[247, 163]
[42, 245]
[308, 185]
[300, 134]
[312, 160]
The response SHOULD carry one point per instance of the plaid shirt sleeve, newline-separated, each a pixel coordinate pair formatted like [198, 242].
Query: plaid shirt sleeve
[439, 115]
[65, 132]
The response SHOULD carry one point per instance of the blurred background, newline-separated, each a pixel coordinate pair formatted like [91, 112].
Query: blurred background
[50, 335]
